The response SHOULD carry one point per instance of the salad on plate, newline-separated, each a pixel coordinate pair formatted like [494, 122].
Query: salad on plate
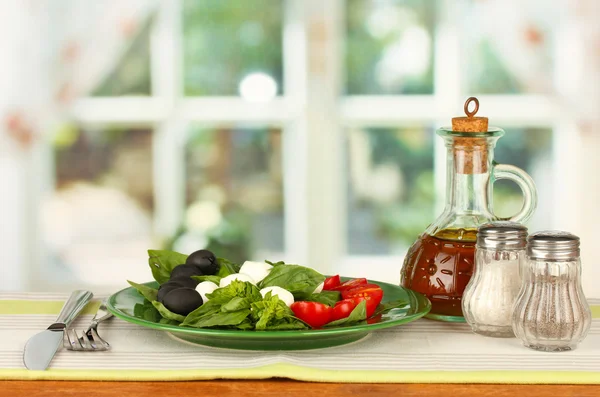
[201, 290]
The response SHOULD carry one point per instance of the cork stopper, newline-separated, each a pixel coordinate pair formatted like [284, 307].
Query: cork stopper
[470, 123]
[470, 154]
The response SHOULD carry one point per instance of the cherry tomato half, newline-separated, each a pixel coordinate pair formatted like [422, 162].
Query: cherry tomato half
[331, 283]
[314, 314]
[372, 293]
[351, 284]
[342, 309]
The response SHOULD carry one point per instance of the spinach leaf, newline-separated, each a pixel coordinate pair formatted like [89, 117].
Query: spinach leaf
[162, 263]
[209, 308]
[383, 308]
[329, 298]
[147, 292]
[166, 313]
[219, 319]
[227, 267]
[214, 279]
[358, 316]
[245, 325]
[299, 280]
[168, 322]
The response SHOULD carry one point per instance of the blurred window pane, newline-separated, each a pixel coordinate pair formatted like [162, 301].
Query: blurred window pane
[510, 48]
[131, 75]
[232, 44]
[234, 193]
[389, 46]
[391, 188]
[99, 218]
[531, 150]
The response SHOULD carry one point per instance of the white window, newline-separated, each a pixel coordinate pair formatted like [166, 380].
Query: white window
[300, 130]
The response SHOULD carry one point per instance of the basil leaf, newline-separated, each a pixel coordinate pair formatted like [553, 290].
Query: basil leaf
[162, 263]
[236, 304]
[220, 319]
[207, 309]
[299, 280]
[289, 323]
[358, 315]
[273, 313]
[168, 322]
[329, 298]
[227, 267]
[383, 308]
[245, 325]
[147, 292]
[237, 288]
[166, 313]
[214, 279]
[275, 263]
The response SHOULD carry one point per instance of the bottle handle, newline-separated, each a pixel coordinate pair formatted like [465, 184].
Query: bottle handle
[525, 182]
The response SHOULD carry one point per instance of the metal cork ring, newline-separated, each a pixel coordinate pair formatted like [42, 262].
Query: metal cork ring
[468, 102]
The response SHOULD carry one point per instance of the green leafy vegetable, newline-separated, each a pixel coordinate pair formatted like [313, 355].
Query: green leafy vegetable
[275, 263]
[162, 263]
[225, 306]
[236, 304]
[227, 267]
[329, 298]
[273, 313]
[299, 280]
[214, 279]
[166, 313]
[220, 319]
[383, 308]
[147, 312]
[147, 292]
[358, 316]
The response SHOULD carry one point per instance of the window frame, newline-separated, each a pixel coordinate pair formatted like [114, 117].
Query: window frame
[313, 117]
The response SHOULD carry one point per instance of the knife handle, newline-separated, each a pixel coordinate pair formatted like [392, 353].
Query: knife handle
[73, 306]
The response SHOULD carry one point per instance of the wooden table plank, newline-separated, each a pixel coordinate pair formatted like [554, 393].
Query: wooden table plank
[282, 387]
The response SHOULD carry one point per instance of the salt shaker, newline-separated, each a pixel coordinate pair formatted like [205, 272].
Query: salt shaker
[551, 312]
[490, 294]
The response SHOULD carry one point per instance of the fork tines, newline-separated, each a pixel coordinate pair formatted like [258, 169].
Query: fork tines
[89, 341]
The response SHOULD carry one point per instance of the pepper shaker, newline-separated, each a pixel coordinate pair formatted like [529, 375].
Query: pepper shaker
[551, 312]
[490, 295]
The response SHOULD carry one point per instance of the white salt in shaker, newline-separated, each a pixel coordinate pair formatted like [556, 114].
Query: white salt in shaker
[551, 312]
[489, 297]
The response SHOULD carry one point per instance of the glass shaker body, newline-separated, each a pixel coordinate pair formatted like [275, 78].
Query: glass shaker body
[491, 293]
[551, 312]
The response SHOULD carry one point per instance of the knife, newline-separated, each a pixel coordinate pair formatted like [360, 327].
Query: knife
[41, 348]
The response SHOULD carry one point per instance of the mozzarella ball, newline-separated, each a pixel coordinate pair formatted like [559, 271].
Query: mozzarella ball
[206, 287]
[225, 281]
[257, 270]
[319, 288]
[283, 294]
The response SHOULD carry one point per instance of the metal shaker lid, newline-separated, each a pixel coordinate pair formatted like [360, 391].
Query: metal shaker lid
[502, 235]
[553, 245]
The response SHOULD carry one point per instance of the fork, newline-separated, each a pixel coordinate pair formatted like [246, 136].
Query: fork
[90, 340]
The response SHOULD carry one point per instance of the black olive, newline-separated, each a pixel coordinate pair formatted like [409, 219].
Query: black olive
[185, 271]
[167, 287]
[187, 282]
[205, 261]
[182, 300]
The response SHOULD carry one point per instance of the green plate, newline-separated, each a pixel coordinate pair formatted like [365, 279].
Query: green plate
[123, 302]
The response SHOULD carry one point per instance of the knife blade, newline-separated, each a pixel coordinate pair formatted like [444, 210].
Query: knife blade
[41, 348]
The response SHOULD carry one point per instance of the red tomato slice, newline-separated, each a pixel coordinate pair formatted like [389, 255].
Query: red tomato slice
[314, 314]
[351, 284]
[342, 309]
[331, 282]
[372, 293]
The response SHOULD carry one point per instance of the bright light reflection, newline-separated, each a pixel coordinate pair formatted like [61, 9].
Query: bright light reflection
[258, 87]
